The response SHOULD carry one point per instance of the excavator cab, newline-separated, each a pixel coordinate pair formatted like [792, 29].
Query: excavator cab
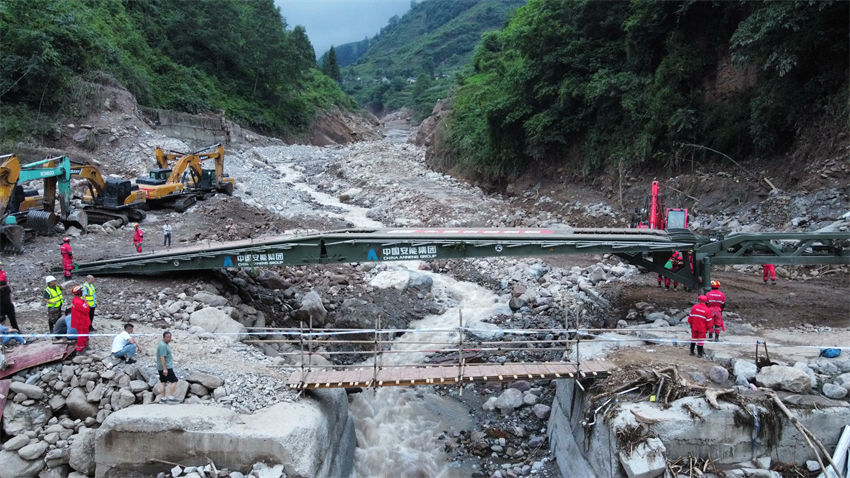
[207, 180]
[677, 218]
[156, 177]
[116, 191]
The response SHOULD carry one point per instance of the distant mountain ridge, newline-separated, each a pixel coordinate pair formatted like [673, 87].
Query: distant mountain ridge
[348, 53]
[412, 61]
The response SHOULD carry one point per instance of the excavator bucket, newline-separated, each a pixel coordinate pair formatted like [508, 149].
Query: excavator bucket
[41, 222]
[11, 238]
[78, 219]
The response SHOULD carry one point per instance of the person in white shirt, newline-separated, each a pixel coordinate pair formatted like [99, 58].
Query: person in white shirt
[124, 346]
[166, 234]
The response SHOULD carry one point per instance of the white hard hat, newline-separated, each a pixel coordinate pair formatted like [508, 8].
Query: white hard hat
[49, 279]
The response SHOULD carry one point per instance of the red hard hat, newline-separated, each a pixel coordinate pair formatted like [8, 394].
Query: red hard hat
[66, 239]
[715, 284]
[77, 290]
[703, 298]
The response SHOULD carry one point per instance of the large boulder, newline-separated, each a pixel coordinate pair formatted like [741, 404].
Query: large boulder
[30, 391]
[311, 437]
[82, 456]
[744, 369]
[313, 309]
[419, 281]
[180, 390]
[16, 443]
[356, 313]
[271, 280]
[211, 300]
[781, 377]
[811, 373]
[718, 374]
[210, 381]
[834, 391]
[18, 418]
[509, 400]
[13, 466]
[396, 279]
[79, 406]
[122, 399]
[33, 451]
[216, 321]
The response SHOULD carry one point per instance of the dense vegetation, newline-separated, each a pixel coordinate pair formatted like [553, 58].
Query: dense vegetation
[348, 53]
[191, 56]
[412, 62]
[607, 84]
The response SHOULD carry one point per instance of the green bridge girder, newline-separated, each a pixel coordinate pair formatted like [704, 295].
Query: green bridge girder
[646, 248]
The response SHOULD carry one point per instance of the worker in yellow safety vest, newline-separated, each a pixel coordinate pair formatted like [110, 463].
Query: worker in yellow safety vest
[54, 299]
[90, 295]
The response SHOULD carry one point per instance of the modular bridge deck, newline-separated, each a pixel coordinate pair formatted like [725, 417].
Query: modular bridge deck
[366, 377]
[646, 248]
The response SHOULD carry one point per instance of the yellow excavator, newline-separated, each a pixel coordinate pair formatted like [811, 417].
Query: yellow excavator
[11, 234]
[25, 207]
[170, 187]
[110, 198]
[211, 179]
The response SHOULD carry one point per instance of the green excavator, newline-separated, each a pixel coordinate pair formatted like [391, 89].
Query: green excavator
[24, 210]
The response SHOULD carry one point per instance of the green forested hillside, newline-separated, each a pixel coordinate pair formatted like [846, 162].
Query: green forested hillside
[603, 84]
[190, 56]
[348, 53]
[412, 62]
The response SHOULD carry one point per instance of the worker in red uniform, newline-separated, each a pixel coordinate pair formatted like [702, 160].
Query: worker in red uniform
[3, 274]
[80, 318]
[67, 257]
[716, 302]
[768, 270]
[138, 237]
[674, 264]
[700, 322]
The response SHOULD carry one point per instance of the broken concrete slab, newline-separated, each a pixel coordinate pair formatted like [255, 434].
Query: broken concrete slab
[647, 460]
[313, 437]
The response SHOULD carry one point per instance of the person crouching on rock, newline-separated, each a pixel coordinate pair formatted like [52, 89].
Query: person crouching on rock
[80, 318]
[700, 322]
[63, 327]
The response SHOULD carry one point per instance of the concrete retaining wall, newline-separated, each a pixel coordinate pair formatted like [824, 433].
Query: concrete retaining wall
[717, 436]
[201, 129]
[312, 438]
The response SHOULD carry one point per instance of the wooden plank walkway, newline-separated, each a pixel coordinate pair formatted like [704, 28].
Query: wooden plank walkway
[442, 374]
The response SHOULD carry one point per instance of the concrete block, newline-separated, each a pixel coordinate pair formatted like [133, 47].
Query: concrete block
[312, 437]
[647, 460]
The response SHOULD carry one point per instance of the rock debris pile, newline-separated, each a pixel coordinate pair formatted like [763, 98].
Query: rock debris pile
[54, 410]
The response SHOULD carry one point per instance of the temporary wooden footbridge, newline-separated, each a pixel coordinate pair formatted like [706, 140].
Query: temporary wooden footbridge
[458, 356]
[366, 377]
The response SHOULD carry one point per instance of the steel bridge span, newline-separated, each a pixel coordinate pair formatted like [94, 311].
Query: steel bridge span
[645, 248]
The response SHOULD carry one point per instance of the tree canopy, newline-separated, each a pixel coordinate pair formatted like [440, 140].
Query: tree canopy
[329, 65]
[190, 56]
[432, 42]
[600, 83]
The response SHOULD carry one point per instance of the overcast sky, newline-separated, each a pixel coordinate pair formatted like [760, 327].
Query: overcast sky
[334, 22]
